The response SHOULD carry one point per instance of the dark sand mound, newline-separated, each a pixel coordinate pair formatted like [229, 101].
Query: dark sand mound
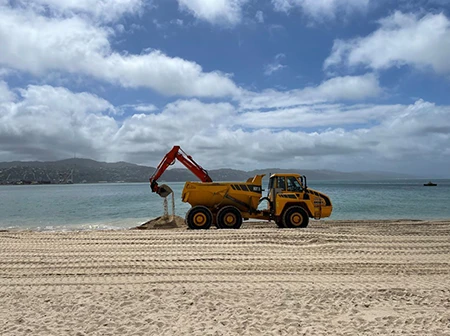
[162, 222]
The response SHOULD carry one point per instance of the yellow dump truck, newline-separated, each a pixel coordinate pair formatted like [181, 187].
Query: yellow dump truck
[289, 202]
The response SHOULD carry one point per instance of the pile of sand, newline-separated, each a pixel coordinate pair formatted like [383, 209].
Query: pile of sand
[162, 222]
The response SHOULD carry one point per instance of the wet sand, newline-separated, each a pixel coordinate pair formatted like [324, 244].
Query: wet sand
[333, 278]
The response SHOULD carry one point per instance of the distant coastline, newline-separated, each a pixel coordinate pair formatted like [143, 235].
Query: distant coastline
[90, 171]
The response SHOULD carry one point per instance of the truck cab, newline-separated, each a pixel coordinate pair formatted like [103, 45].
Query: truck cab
[292, 203]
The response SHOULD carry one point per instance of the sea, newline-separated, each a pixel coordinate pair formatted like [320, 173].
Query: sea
[105, 206]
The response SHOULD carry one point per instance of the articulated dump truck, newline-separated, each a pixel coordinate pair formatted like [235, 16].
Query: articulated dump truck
[289, 202]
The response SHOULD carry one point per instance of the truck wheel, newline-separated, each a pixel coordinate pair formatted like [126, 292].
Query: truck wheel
[295, 217]
[198, 218]
[229, 217]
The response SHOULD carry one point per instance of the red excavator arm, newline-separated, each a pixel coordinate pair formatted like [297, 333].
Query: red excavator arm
[177, 153]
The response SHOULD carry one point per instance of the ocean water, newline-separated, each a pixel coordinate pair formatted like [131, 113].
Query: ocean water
[125, 205]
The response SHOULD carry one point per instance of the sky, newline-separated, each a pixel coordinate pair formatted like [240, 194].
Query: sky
[347, 85]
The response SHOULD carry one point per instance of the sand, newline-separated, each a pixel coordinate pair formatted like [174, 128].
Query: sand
[333, 278]
[162, 222]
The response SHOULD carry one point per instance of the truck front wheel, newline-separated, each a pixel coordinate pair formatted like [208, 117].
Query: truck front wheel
[295, 217]
[229, 217]
[198, 218]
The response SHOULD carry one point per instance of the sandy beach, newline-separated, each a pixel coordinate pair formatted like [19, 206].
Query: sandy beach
[333, 278]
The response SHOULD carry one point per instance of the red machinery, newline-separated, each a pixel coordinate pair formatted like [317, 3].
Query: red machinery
[169, 159]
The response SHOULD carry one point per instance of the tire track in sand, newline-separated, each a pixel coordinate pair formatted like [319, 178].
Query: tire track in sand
[333, 278]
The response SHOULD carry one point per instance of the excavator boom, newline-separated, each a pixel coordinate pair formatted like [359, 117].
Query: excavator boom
[176, 153]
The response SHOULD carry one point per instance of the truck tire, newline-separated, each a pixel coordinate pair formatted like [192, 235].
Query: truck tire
[229, 217]
[295, 217]
[199, 218]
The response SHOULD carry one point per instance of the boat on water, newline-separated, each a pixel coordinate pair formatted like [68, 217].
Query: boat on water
[430, 184]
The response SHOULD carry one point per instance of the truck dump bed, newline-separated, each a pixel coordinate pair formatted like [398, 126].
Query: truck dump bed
[243, 195]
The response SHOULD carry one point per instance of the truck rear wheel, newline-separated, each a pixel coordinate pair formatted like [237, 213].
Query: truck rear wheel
[295, 217]
[229, 217]
[199, 217]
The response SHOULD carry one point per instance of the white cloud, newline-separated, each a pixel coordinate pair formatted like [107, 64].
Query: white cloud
[334, 89]
[259, 16]
[321, 9]
[402, 39]
[5, 94]
[179, 122]
[108, 10]
[49, 122]
[313, 116]
[403, 137]
[218, 136]
[312, 127]
[39, 45]
[145, 108]
[269, 69]
[221, 12]
[45, 123]
[275, 66]
[177, 22]
[4, 72]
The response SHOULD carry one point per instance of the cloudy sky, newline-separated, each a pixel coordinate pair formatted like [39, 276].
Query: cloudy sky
[347, 85]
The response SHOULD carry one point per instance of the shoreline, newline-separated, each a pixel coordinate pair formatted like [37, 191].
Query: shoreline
[108, 226]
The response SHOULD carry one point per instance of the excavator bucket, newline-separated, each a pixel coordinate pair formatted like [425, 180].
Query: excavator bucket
[164, 190]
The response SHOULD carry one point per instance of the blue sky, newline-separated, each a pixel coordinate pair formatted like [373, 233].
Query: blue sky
[348, 85]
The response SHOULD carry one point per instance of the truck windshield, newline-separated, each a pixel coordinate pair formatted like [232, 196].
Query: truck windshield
[293, 184]
[281, 183]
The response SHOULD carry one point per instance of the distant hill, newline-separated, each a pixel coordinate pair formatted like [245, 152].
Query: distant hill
[72, 171]
[91, 171]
